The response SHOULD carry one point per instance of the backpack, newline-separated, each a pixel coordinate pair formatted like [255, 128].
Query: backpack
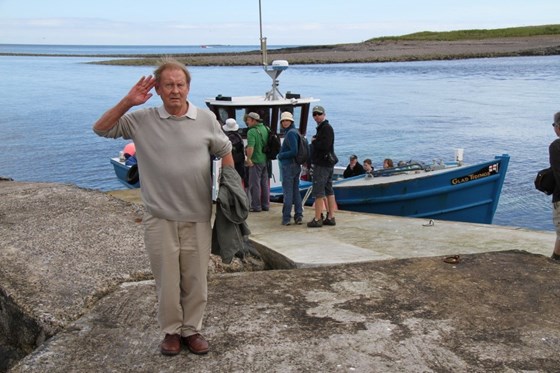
[272, 146]
[237, 150]
[545, 181]
[302, 155]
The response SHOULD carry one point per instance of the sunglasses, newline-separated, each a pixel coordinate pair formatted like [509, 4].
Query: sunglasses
[315, 113]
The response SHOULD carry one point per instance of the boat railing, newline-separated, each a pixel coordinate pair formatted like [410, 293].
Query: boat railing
[411, 166]
[408, 167]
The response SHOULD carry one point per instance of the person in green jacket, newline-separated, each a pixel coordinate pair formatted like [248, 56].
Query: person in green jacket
[256, 163]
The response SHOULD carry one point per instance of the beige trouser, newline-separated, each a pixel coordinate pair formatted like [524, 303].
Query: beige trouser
[179, 253]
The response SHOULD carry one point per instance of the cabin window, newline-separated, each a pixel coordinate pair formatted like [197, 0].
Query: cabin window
[270, 116]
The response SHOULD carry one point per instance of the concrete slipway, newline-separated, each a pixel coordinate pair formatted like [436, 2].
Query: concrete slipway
[375, 294]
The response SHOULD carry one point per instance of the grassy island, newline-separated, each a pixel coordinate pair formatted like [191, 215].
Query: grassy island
[427, 45]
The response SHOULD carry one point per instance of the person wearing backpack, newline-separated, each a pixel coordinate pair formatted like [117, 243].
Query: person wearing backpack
[257, 137]
[231, 129]
[554, 155]
[323, 159]
[290, 170]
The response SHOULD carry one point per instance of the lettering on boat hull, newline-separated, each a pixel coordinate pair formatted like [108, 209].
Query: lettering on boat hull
[480, 174]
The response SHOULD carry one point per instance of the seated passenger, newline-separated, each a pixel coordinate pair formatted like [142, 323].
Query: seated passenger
[368, 167]
[354, 168]
[387, 163]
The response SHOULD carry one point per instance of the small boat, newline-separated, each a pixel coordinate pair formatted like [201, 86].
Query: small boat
[447, 191]
[128, 175]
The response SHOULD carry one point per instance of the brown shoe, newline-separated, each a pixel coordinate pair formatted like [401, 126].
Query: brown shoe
[171, 344]
[196, 344]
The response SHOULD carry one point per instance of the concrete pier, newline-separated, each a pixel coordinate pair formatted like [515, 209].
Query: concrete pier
[366, 237]
[372, 294]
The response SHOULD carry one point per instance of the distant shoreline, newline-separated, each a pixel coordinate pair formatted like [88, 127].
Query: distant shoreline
[375, 51]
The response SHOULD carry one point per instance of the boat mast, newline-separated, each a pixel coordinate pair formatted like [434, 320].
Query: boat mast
[262, 40]
[277, 66]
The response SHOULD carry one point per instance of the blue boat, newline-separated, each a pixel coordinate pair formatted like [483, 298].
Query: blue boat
[126, 174]
[446, 191]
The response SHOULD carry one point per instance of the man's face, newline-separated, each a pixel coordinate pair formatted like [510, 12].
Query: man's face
[286, 123]
[318, 117]
[250, 121]
[173, 89]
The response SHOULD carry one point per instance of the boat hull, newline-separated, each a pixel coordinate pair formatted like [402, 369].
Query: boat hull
[121, 170]
[467, 193]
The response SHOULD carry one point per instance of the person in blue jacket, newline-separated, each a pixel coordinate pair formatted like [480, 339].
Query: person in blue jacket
[291, 171]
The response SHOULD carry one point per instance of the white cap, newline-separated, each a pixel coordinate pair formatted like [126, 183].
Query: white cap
[231, 125]
[287, 116]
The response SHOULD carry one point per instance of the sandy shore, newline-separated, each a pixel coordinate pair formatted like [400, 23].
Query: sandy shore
[384, 51]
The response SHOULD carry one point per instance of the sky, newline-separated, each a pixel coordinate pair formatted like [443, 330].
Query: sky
[236, 22]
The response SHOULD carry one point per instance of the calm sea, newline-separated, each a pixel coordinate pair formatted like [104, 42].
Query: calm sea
[408, 110]
[109, 50]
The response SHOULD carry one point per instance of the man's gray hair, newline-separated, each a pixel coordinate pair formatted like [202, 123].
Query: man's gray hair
[171, 63]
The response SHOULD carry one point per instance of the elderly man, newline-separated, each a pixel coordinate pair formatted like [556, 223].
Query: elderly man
[174, 144]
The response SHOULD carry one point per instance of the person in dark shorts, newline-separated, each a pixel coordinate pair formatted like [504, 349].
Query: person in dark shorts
[323, 160]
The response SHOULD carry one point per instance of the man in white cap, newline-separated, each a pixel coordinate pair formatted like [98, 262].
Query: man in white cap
[554, 155]
[290, 171]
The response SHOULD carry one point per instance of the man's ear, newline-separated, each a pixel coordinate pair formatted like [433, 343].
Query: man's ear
[156, 87]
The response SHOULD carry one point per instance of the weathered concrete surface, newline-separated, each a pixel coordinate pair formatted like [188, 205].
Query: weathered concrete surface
[494, 312]
[61, 249]
[365, 237]
[64, 251]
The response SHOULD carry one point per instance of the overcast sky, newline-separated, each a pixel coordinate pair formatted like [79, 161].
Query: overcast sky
[236, 22]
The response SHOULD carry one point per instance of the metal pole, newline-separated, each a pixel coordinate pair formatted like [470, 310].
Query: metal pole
[260, 18]
[262, 40]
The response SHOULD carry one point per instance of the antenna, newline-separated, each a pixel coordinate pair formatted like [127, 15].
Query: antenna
[262, 40]
[277, 66]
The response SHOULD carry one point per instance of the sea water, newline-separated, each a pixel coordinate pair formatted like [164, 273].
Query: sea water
[409, 110]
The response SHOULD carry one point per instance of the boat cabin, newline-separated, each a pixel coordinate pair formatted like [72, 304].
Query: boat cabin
[269, 110]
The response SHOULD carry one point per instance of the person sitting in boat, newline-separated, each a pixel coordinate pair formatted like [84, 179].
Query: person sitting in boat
[231, 128]
[387, 163]
[131, 160]
[130, 154]
[368, 167]
[354, 168]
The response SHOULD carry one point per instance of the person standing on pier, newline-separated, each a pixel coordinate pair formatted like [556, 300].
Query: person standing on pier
[290, 171]
[174, 144]
[323, 159]
[257, 136]
[554, 155]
